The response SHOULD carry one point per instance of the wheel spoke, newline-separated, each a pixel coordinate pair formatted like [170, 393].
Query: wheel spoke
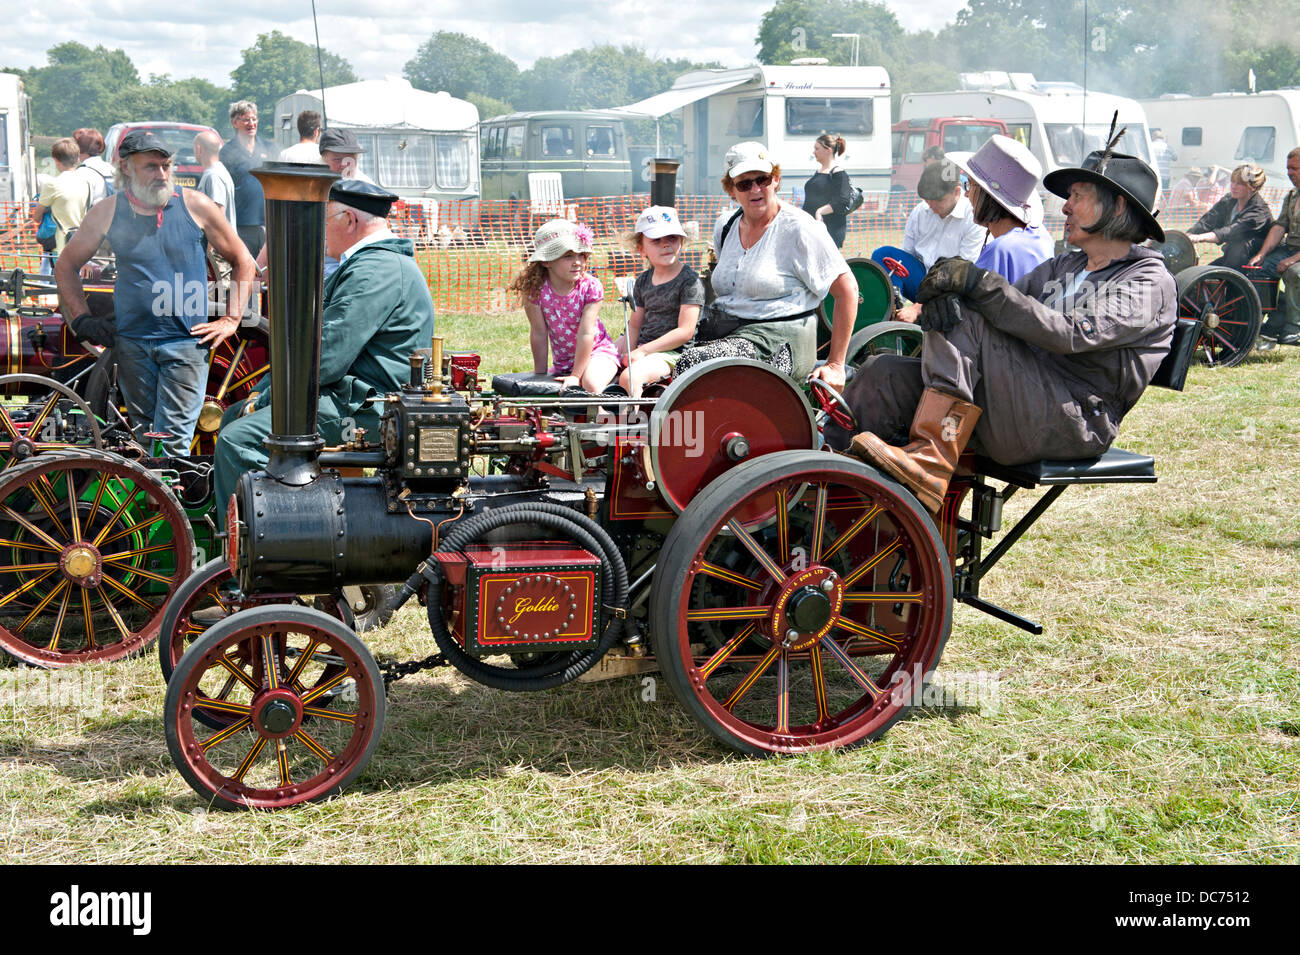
[855, 672]
[230, 371]
[819, 523]
[222, 706]
[117, 514]
[127, 592]
[35, 426]
[296, 672]
[852, 532]
[759, 669]
[18, 568]
[134, 528]
[783, 693]
[47, 503]
[85, 612]
[893, 546]
[10, 427]
[782, 526]
[889, 597]
[727, 650]
[282, 759]
[323, 714]
[40, 607]
[138, 552]
[28, 545]
[34, 582]
[321, 688]
[728, 613]
[310, 742]
[225, 734]
[863, 631]
[756, 550]
[270, 663]
[225, 661]
[72, 506]
[713, 570]
[113, 614]
[247, 764]
[819, 682]
[148, 575]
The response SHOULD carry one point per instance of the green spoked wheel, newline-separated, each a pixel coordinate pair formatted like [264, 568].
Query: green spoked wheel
[800, 603]
[875, 296]
[304, 699]
[91, 548]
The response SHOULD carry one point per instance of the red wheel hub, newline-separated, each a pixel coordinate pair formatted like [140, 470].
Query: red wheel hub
[277, 714]
[82, 564]
[806, 607]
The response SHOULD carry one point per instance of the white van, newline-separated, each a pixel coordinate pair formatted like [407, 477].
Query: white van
[1228, 129]
[418, 145]
[17, 157]
[786, 108]
[1059, 122]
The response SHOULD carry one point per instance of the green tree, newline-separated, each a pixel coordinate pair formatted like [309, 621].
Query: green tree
[798, 28]
[489, 107]
[597, 78]
[79, 87]
[461, 65]
[277, 65]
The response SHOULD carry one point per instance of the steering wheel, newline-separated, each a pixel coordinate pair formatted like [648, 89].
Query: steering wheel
[832, 403]
[894, 266]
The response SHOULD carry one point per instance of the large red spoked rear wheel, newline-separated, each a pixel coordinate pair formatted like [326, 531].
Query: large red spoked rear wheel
[800, 603]
[297, 733]
[91, 548]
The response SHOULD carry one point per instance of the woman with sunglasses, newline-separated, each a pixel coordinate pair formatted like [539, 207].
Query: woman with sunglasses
[775, 266]
[1239, 221]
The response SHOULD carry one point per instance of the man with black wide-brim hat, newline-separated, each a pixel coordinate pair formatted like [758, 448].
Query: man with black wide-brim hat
[1046, 368]
[376, 311]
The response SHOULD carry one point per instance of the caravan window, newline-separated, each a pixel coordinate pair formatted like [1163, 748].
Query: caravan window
[451, 161]
[747, 120]
[1191, 135]
[1257, 143]
[600, 140]
[848, 117]
[4, 140]
[514, 143]
[557, 141]
[1070, 143]
[405, 160]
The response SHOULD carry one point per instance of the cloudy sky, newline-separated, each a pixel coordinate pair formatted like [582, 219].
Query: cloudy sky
[187, 38]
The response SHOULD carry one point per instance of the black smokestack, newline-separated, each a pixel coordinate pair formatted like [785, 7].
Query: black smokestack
[295, 230]
[663, 185]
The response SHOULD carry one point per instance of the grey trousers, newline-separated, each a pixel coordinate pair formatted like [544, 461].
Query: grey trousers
[1031, 410]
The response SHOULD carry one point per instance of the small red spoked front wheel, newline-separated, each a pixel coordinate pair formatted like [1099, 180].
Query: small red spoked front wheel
[304, 699]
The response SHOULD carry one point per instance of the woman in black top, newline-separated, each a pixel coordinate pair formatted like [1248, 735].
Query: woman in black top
[1239, 221]
[827, 194]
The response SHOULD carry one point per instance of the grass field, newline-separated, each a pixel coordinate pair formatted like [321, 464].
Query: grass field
[1156, 720]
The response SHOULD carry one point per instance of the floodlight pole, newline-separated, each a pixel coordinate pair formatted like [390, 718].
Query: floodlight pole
[856, 38]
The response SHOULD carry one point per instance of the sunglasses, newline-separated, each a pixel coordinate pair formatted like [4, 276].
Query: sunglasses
[744, 185]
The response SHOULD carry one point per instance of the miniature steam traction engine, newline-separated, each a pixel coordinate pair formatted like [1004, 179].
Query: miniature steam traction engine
[794, 599]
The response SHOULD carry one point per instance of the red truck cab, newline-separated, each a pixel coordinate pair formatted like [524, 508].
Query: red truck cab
[179, 136]
[912, 137]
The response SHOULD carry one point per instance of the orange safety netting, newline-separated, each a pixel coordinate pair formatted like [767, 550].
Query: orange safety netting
[470, 249]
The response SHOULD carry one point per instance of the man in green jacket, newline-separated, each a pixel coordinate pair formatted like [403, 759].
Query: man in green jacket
[377, 310]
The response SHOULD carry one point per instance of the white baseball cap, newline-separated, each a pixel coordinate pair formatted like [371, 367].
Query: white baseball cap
[659, 221]
[747, 157]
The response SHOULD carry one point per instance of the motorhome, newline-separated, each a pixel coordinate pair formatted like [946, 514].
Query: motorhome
[421, 146]
[586, 149]
[17, 157]
[1227, 129]
[786, 108]
[1060, 123]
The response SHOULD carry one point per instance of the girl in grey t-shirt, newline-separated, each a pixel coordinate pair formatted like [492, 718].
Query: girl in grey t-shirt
[666, 300]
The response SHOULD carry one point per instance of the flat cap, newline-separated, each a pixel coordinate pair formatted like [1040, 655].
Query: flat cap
[142, 141]
[340, 141]
[363, 195]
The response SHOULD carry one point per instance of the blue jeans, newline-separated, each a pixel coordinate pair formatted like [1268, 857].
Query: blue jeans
[163, 384]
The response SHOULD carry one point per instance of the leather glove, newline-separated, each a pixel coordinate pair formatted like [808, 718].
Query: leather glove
[952, 276]
[941, 314]
[96, 329]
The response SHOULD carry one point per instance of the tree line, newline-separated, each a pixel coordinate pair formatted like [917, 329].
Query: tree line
[1135, 48]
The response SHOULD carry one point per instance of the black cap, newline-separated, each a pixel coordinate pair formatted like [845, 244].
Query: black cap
[363, 195]
[142, 141]
[339, 141]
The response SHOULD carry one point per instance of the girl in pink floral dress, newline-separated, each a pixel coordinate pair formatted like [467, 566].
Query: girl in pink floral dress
[562, 302]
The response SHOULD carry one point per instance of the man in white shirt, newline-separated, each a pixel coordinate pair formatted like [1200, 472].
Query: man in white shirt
[306, 149]
[941, 226]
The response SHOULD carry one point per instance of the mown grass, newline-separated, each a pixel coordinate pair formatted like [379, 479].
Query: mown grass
[1156, 719]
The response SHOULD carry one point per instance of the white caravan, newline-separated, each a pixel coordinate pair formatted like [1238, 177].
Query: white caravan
[1228, 129]
[1059, 122]
[786, 108]
[418, 145]
[17, 158]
